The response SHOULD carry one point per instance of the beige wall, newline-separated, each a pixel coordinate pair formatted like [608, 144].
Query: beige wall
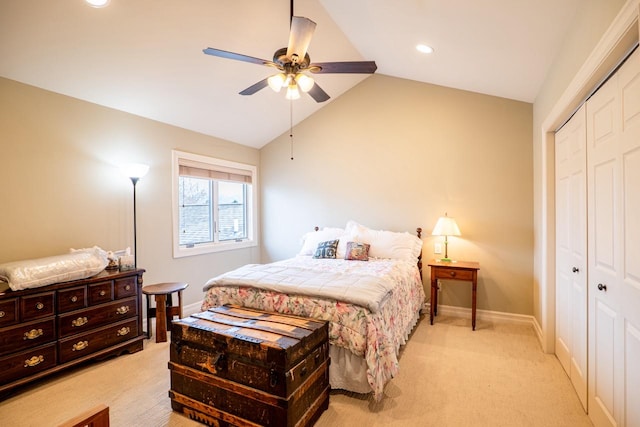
[397, 154]
[591, 21]
[61, 186]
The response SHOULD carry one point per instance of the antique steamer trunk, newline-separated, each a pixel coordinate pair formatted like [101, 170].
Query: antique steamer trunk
[236, 366]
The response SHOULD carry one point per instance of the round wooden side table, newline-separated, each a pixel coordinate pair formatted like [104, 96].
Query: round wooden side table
[164, 309]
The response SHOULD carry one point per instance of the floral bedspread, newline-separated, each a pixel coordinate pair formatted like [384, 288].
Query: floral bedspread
[376, 337]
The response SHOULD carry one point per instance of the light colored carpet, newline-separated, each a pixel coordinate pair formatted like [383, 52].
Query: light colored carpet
[449, 376]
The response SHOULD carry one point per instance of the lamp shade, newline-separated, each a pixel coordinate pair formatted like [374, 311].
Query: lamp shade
[446, 226]
[135, 170]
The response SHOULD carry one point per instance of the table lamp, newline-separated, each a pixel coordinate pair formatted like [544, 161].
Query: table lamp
[446, 226]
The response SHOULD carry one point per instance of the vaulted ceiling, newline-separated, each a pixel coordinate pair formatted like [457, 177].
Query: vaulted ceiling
[145, 56]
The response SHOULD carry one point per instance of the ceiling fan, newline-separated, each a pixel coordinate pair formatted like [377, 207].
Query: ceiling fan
[293, 61]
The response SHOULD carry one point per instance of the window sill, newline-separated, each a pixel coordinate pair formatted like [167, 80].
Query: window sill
[181, 251]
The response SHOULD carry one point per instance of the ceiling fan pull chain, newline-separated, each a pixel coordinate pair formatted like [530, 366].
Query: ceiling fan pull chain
[291, 125]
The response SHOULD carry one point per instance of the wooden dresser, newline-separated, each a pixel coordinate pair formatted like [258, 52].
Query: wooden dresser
[47, 329]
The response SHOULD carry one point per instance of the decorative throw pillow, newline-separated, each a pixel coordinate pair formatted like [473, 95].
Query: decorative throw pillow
[357, 251]
[326, 249]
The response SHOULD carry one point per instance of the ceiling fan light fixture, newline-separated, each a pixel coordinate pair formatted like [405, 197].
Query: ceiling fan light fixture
[277, 82]
[305, 82]
[293, 92]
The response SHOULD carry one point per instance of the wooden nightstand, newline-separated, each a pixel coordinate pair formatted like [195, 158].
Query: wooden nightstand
[453, 270]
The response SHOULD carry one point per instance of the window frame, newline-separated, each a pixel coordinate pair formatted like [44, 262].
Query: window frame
[180, 251]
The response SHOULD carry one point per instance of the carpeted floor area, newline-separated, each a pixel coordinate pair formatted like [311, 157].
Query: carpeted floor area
[449, 376]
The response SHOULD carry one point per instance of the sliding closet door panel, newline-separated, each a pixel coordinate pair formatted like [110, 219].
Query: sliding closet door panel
[571, 246]
[629, 76]
[603, 171]
[613, 182]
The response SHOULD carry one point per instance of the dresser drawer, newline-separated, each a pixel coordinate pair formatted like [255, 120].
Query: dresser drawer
[72, 299]
[126, 287]
[27, 363]
[83, 320]
[27, 335]
[453, 274]
[100, 292]
[85, 344]
[8, 312]
[36, 306]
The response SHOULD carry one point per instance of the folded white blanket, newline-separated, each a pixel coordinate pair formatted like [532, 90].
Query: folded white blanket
[34, 273]
[365, 290]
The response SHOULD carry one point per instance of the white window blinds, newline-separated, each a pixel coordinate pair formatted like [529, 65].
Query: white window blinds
[218, 172]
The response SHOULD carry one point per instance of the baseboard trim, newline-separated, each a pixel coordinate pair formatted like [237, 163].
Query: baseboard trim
[188, 310]
[497, 316]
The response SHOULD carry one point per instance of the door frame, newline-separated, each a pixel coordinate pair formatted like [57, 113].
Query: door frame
[619, 39]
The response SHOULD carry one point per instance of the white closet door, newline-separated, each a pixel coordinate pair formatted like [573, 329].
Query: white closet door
[613, 152]
[571, 251]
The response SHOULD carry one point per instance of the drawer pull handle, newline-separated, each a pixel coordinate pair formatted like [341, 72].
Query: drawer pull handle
[35, 360]
[123, 331]
[80, 345]
[80, 321]
[452, 274]
[122, 310]
[602, 287]
[74, 299]
[103, 293]
[127, 288]
[39, 306]
[2, 313]
[32, 334]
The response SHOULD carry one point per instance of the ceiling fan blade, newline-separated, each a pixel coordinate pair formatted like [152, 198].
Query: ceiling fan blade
[318, 93]
[355, 67]
[255, 87]
[300, 36]
[237, 56]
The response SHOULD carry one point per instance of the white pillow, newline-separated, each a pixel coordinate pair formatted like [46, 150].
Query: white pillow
[311, 239]
[386, 244]
[33, 273]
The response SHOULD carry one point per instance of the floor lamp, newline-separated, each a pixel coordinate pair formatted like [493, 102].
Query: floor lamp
[135, 171]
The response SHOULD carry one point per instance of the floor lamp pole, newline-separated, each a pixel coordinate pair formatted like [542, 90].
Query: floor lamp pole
[134, 180]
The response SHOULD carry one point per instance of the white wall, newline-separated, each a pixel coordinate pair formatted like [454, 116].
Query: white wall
[397, 154]
[61, 186]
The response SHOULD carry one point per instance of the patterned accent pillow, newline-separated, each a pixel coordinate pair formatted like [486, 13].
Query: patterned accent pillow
[357, 251]
[326, 249]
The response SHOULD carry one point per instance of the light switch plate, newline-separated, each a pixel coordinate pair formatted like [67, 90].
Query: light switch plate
[437, 248]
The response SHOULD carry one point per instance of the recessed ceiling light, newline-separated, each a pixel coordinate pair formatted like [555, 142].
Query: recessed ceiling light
[424, 48]
[97, 3]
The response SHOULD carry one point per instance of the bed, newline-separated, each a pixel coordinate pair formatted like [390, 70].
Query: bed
[366, 283]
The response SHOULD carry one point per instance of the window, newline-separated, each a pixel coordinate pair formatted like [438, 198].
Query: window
[213, 204]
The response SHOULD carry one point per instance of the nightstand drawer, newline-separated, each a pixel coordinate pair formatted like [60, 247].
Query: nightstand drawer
[453, 273]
